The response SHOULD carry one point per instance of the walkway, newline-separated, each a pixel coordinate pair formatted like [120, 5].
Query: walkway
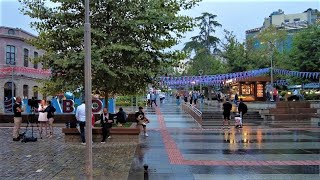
[178, 149]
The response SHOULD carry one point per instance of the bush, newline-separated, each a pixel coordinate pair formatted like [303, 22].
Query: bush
[312, 96]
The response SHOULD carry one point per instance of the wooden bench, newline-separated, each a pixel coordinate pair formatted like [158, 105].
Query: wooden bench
[118, 134]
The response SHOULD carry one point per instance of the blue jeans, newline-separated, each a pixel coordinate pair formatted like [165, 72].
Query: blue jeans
[178, 102]
[82, 133]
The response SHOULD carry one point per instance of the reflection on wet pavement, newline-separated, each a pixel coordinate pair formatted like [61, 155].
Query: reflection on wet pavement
[178, 149]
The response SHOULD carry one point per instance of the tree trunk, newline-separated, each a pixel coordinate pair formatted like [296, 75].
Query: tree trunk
[106, 99]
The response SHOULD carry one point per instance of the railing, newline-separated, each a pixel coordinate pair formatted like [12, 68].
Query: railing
[193, 111]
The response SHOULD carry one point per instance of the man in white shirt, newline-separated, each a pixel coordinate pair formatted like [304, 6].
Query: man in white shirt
[149, 99]
[81, 118]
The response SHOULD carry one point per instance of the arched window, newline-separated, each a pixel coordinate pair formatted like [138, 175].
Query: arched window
[35, 65]
[25, 91]
[11, 31]
[26, 57]
[35, 92]
[11, 55]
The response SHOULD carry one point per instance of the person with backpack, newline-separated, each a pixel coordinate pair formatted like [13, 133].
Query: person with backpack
[227, 106]
[242, 109]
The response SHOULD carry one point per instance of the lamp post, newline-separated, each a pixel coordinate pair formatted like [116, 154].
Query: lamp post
[200, 73]
[88, 91]
[12, 89]
[271, 69]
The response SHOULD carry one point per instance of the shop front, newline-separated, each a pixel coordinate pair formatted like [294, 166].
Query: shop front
[250, 89]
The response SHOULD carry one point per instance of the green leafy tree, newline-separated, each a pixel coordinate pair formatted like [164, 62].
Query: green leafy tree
[204, 47]
[205, 41]
[272, 41]
[128, 41]
[305, 53]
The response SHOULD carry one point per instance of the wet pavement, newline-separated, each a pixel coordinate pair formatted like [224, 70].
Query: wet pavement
[177, 148]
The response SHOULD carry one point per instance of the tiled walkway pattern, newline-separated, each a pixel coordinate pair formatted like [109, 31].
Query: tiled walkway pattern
[178, 149]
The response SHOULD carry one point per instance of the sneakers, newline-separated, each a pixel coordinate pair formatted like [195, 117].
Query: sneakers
[83, 144]
[16, 139]
[109, 137]
[146, 135]
[103, 142]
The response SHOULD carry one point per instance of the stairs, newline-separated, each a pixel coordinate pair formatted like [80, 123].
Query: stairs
[293, 111]
[214, 119]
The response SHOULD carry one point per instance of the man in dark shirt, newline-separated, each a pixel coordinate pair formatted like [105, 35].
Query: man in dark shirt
[121, 116]
[142, 120]
[17, 118]
[242, 109]
[227, 106]
[106, 124]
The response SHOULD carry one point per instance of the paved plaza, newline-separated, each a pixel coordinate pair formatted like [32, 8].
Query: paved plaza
[177, 148]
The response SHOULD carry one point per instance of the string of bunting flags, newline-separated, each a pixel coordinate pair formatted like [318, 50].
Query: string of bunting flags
[219, 79]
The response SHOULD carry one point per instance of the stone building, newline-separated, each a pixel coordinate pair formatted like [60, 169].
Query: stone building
[292, 23]
[16, 65]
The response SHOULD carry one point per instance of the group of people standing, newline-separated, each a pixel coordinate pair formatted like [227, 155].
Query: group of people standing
[46, 118]
[193, 97]
[227, 107]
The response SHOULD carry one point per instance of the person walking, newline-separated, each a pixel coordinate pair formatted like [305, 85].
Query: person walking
[17, 119]
[81, 118]
[195, 97]
[43, 119]
[106, 124]
[153, 99]
[275, 94]
[242, 109]
[227, 106]
[178, 99]
[236, 99]
[142, 120]
[185, 97]
[50, 116]
[148, 99]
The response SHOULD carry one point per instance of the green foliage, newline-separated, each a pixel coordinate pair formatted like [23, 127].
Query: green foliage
[312, 96]
[204, 46]
[305, 53]
[128, 41]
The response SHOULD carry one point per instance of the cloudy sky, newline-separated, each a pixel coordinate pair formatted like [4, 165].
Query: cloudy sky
[234, 15]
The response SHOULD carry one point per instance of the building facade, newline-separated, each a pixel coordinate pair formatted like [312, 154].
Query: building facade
[16, 66]
[292, 23]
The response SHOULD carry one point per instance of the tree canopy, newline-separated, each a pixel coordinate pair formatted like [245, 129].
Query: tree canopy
[130, 41]
[204, 47]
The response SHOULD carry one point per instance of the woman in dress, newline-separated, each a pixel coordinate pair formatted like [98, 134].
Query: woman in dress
[50, 116]
[43, 120]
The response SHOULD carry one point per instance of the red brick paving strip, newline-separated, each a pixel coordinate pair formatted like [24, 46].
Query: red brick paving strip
[176, 157]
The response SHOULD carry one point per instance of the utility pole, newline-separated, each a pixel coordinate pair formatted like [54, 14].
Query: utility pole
[271, 69]
[88, 92]
[12, 90]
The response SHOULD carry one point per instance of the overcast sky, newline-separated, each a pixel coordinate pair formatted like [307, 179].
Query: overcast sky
[234, 15]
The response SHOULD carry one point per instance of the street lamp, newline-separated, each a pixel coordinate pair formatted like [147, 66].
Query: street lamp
[271, 69]
[88, 91]
[200, 73]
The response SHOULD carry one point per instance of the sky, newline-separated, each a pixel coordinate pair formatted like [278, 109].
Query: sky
[234, 15]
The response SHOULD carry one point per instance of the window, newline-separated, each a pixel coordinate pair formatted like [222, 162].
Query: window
[11, 31]
[296, 19]
[25, 91]
[11, 55]
[26, 57]
[35, 65]
[35, 92]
